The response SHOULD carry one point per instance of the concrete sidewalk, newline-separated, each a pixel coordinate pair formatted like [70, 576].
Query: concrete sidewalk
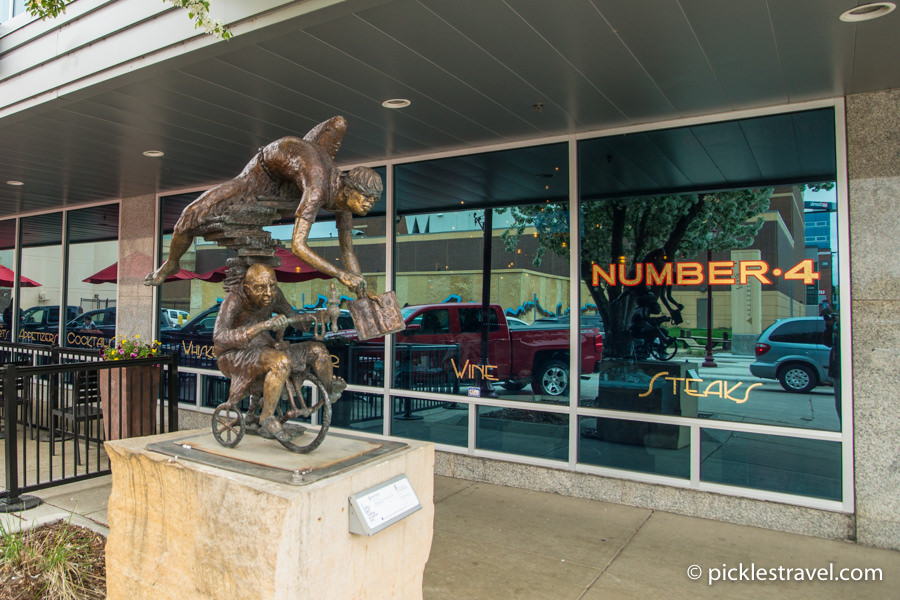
[494, 543]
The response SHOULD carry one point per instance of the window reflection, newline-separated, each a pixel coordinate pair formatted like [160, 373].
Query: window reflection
[689, 289]
[775, 463]
[42, 262]
[93, 276]
[431, 420]
[656, 448]
[359, 411]
[525, 432]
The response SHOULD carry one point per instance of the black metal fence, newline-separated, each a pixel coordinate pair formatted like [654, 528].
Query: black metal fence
[59, 405]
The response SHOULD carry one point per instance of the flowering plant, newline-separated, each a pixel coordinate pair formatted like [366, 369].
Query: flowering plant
[123, 349]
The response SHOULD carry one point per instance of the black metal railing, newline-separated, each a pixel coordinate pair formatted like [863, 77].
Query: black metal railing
[59, 405]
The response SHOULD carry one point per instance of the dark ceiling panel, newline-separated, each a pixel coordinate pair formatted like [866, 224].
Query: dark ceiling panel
[585, 39]
[352, 73]
[814, 45]
[726, 144]
[660, 37]
[774, 146]
[331, 94]
[685, 152]
[8, 237]
[530, 56]
[737, 39]
[814, 131]
[395, 61]
[426, 34]
[881, 39]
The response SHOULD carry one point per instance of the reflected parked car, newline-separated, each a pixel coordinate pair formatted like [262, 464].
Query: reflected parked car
[792, 351]
[94, 329]
[171, 317]
[40, 324]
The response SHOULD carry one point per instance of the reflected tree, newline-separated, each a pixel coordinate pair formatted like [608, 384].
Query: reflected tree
[618, 231]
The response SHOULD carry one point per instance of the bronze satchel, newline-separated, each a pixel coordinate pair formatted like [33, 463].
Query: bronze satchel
[372, 320]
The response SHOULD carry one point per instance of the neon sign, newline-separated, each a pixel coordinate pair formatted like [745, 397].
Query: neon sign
[89, 341]
[716, 387]
[469, 369]
[41, 337]
[720, 272]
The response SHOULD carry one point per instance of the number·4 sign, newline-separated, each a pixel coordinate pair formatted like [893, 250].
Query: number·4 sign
[802, 271]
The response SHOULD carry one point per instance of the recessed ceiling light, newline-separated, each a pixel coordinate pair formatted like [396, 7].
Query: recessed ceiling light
[14, 182]
[154, 153]
[867, 12]
[396, 103]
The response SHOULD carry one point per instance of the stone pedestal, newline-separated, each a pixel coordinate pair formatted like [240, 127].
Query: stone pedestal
[181, 529]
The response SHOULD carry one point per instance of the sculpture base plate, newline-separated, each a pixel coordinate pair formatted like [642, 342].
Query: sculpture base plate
[267, 459]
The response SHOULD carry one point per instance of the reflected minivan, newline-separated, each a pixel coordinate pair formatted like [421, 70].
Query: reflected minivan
[792, 351]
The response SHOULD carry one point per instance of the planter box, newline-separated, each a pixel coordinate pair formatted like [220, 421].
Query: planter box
[128, 398]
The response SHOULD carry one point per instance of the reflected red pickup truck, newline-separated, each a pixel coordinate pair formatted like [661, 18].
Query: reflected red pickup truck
[517, 355]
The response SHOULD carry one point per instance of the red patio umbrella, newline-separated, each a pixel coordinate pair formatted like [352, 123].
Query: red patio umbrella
[8, 278]
[111, 275]
[292, 270]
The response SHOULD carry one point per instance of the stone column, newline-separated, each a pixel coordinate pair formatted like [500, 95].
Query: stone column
[137, 240]
[873, 162]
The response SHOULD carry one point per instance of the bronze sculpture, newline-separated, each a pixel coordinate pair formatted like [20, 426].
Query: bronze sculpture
[290, 176]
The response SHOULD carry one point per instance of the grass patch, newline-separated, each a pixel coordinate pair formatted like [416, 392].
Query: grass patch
[58, 561]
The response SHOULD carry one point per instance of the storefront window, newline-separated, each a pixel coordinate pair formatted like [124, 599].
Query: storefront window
[7, 278]
[42, 264]
[717, 305]
[93, 274]
[708, 292]
[432, 420]
[472, 282]
[774, 463]
[187, 312]
[657, 448]
[742, 267]
[523, 432]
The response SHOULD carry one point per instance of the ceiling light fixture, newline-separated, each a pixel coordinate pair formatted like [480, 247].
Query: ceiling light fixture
[14, 182]
[867, 12]
[396, 103]
[154, 153]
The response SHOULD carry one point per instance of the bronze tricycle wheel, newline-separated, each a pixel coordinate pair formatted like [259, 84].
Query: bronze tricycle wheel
[323, 402]
[228, 425]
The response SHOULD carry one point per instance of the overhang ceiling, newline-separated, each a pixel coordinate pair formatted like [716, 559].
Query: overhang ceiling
[474, 71]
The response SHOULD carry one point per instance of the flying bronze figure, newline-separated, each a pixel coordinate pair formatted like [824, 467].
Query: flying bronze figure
[289, 169]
